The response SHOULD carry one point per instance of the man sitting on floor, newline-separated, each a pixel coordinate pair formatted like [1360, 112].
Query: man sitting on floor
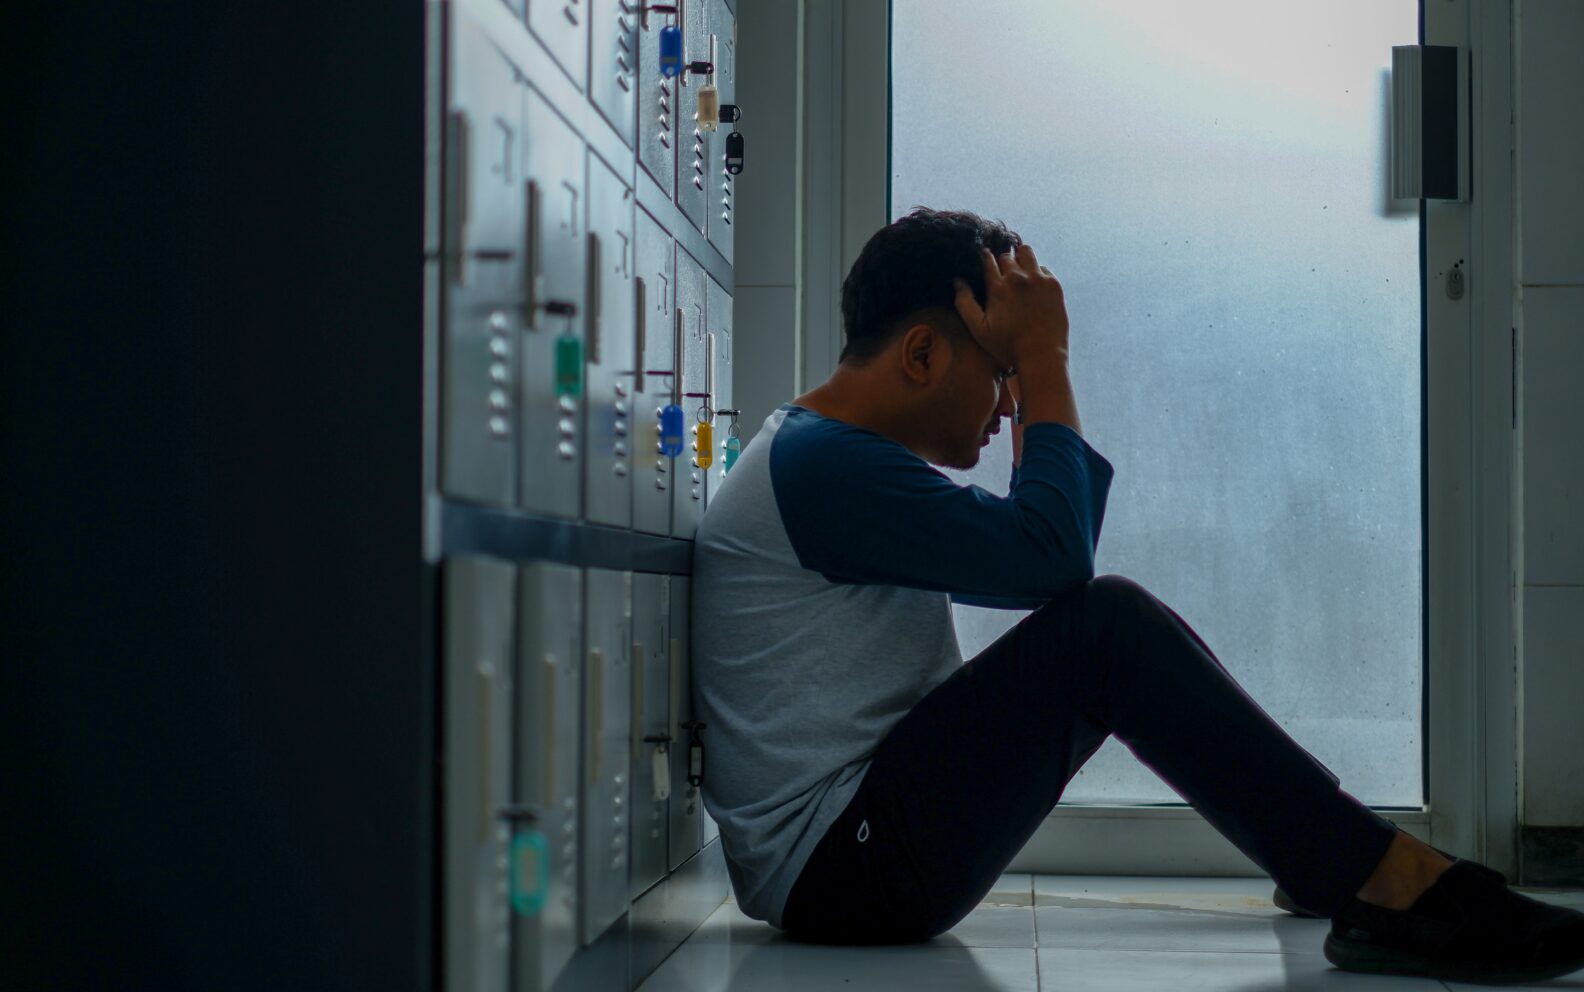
[870, 786]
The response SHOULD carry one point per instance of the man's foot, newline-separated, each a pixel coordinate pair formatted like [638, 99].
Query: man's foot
[1408, 868]
[1466, 926]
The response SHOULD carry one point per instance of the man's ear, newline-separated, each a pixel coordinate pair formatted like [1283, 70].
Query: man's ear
[923, 352]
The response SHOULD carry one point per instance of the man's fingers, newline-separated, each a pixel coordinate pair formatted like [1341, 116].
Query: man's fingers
[992, 272]
[968, 308]
[1026, 259]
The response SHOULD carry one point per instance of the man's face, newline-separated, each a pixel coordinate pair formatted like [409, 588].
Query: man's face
[974, 398]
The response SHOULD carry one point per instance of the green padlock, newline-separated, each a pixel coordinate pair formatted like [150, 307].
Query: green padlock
[569, 366]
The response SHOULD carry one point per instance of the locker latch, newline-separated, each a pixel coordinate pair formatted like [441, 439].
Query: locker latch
[662, 765]
[695, 752]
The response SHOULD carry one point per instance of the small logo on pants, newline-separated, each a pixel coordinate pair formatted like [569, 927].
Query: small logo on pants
[863, 832]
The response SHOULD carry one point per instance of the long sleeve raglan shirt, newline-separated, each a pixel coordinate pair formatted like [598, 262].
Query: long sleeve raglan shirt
[823, 576]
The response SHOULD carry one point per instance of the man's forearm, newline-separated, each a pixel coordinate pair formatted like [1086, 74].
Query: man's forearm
[1045, 394]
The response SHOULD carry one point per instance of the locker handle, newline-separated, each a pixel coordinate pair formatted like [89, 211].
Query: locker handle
[549, 722]
[676, 688]
[636, 736]
[709, 371]
[596, 307]
[638, 339]
[534, 273]
[486, 673]
[457, 205]
[596, 695]
[679, 335]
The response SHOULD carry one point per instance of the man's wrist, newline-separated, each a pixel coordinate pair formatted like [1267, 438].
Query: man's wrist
[1046, 392]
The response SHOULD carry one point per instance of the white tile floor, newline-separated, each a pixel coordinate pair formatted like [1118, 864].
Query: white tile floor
[1081, 933]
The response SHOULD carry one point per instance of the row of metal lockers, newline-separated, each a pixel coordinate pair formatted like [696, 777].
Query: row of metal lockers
[586, 353]
[581, 244]
[570, 761]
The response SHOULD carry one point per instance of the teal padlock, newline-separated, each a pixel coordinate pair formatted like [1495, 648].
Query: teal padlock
[530, 872]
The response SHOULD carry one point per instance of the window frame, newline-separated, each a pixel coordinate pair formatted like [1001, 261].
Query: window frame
[1470, 683]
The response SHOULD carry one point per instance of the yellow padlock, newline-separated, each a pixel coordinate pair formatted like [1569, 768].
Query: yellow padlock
[703, 445]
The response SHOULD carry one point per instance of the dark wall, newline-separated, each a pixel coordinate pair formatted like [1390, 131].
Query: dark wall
[216, 673]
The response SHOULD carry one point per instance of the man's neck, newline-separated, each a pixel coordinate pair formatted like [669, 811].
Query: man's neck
[855, 397]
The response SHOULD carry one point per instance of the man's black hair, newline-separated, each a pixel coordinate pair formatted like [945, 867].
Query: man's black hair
[908, 266]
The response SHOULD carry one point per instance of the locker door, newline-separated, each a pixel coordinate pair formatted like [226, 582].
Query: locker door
[613, 66]
[483, 169]
[652, 470]
[549, 704]
[719, 185]
[688, 491]
[718, 315]
[549, 448]
[692, 170]
[657, 111]
[562, 25]
[607, 697]
[687, 806]
[607, 482]
[478, 775]
[651, 789]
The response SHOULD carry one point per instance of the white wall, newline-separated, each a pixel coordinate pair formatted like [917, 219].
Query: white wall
[1550, 177]
[768, 203]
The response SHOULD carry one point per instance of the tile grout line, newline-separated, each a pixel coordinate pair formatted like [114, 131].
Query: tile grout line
[1038, 980]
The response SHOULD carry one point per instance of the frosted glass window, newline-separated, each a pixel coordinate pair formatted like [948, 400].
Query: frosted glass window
[1209, 181]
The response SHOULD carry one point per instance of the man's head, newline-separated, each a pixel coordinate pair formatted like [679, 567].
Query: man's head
[908, 267]
[905, 337]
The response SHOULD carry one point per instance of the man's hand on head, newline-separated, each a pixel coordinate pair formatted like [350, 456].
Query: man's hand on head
[1024, 315]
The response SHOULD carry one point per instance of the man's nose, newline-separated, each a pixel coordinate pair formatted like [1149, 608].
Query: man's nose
[1006, 407]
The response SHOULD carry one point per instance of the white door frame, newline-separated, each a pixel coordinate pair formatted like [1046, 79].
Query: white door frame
[1471, 712]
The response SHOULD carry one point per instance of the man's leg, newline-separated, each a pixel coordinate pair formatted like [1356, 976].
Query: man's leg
[962, 781]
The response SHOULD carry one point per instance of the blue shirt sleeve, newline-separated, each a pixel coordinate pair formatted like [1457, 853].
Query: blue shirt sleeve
[860, 508]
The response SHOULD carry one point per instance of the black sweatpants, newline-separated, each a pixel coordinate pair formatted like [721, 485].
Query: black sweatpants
[963, 780]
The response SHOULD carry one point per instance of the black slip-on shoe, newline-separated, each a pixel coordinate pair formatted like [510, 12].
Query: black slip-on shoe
[1467, 927]
[1285, 902]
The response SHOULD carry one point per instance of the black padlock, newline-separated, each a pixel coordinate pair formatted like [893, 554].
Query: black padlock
[695, 753]
[734, 152]
[730, 113]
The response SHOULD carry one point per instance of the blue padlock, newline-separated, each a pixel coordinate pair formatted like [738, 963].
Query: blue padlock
[670, 50]
[671, 430]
